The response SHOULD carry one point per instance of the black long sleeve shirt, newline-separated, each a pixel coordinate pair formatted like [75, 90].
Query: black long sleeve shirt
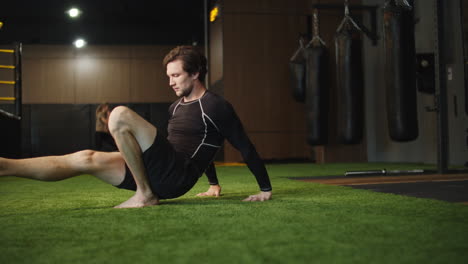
[198, 129]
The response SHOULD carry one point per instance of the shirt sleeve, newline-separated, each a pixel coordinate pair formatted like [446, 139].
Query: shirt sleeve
[211, 174]
[234, 132]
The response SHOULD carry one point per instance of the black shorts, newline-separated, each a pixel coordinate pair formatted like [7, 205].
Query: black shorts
[171, 174]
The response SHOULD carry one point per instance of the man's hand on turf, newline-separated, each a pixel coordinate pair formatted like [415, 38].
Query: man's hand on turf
[214, 190]
[262, 196]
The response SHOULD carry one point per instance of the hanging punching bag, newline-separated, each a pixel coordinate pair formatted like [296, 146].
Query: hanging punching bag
[297, 68]
[316, 96]
[400, 71]
[348, 49]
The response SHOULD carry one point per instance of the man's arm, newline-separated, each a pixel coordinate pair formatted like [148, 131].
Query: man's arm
[234, 132]
[211, 174]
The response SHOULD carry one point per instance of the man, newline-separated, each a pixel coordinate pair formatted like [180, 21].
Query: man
[156, 167]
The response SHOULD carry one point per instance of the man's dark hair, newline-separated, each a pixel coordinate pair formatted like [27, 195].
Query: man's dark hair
[193, 60]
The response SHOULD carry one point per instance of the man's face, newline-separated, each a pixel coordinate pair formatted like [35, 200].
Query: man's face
[180, 80]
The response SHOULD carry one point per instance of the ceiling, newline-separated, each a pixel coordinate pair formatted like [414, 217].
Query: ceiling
[103, 22]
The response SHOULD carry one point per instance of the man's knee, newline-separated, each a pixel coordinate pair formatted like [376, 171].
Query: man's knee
[89, 161]
[119, 118]
[84, 159]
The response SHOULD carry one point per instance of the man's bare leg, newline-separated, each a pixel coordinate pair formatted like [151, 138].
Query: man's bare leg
[133, 135]
[109, 167]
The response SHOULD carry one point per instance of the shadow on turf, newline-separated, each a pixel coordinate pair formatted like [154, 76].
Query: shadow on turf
[226, 198]
[198, 201]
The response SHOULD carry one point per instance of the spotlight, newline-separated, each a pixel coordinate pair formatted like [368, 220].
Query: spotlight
[79, 43]
[74, 12]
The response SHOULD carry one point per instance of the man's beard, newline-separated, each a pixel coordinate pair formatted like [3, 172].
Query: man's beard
[186, 92]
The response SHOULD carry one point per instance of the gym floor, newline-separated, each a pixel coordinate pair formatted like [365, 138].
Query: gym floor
[445, 187]
[326, 221]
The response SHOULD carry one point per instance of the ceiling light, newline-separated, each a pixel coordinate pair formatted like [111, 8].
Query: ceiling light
[79, 43]
[74, 12]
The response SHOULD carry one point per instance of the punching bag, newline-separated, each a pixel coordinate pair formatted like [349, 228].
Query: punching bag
[348, 49]
[297, 68]
[317, 94]
[400, 71]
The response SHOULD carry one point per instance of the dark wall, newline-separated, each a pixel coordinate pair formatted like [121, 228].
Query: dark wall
[57, 129]
[10, 139]
[122, 22]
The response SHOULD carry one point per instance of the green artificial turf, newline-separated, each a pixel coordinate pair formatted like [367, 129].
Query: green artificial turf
[73, 221]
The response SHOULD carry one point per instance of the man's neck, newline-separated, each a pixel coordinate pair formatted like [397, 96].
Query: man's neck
[197, 92]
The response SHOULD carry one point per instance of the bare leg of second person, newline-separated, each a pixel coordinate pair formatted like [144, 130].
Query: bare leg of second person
[133, 135]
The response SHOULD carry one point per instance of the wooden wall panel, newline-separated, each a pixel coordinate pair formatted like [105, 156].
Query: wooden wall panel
[103, 80]
[32, 80]
[257, 49]
[95, 74]
[104, 52]
[149, 81]
[48, 51]
[58, 80]
[150, 52]
[215, 64]
[268, 6]
[256, 71]
[275, 146]
[258, 39]
[52, 79]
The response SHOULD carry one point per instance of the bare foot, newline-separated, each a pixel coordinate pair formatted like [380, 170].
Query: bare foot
[138, 201]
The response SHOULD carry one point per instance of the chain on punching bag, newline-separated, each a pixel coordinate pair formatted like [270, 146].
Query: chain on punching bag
[297, 68]
[316, 96]
[400, 70]
[348, 49]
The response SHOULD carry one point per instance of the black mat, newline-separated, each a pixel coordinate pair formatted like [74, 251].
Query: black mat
[451, 191]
